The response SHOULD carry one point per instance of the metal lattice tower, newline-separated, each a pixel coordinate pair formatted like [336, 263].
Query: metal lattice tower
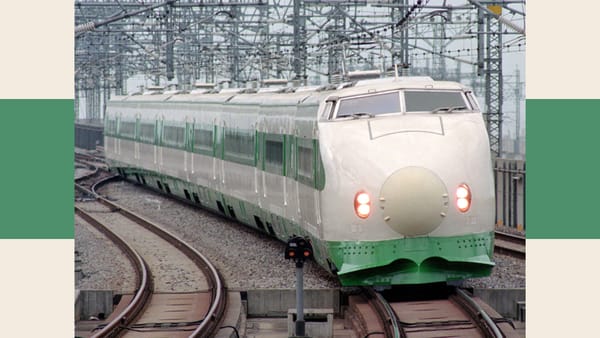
[493, 83]
[122, 45]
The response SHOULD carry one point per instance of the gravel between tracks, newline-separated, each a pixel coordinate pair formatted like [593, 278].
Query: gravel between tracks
[246, 258]
[101, 262]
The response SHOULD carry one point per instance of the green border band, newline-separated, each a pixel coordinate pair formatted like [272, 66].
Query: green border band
[563, 178]
[36, 142]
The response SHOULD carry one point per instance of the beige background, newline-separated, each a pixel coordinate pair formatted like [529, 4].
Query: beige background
[37, 288]
[563, 288]
[36, 61]
[563, 49]
[36, 53]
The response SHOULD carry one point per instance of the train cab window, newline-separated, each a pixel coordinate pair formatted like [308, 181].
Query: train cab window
[428, 100]
[373, 104]
[327, 110]
[473, 101]
[127, 129]
[147, 132]
[174, 136]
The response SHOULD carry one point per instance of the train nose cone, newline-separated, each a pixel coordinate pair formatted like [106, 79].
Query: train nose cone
[414, 201]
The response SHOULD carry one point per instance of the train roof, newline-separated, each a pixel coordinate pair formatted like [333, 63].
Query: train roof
[293, 96]
[375, 85]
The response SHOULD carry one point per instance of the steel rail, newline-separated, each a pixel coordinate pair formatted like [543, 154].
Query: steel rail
[218, 300]
[511, 245]
[388, 317]
[209, 324]
[482, 319]
[517, 239]
[144, 286]
[94, 171]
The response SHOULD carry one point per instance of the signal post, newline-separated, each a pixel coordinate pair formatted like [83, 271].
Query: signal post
[299, 249]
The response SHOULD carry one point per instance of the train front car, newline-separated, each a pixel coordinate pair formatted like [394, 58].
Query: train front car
[409, 195]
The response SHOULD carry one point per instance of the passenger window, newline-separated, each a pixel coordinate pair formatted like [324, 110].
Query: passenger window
[428, 100]
[111, 127]
[203, 139]
[239, 146]
[305, 162]
[371, 104]
[127, 129]
[274, 156]
[147, 132]
[174, 136]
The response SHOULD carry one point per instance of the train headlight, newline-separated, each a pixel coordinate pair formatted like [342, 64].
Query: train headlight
[362, 204]
[463, 198]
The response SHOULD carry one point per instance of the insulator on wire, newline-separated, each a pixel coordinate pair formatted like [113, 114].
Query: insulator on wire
[86, 27]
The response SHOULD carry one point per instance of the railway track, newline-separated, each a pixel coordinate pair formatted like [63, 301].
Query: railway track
[93, 171]
[508, 244]
[178, 291]
[455, 315]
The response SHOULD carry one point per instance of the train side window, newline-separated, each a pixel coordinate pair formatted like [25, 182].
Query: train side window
[429, 100]
[111, 127]
[306, 162]
[147, 132]
[274, 155]
[174, 136]
[326, 113]
[127, 129]
[203, 139]
[473, 101]
[239, 146]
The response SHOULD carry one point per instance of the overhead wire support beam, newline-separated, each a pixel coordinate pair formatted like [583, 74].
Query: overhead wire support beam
[184, 42]
[90, 26]
[508, 23]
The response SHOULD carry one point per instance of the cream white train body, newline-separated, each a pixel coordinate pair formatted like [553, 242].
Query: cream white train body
[391, 179]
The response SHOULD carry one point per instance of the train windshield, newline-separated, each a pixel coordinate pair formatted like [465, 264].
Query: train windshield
[430, 101]
[370, 104]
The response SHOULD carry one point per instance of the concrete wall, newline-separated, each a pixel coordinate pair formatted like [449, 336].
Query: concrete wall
[275, 303]
[92, 302]
[88, 136]
[504, 301]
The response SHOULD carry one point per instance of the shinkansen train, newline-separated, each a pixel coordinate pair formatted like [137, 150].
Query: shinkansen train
[390, 179]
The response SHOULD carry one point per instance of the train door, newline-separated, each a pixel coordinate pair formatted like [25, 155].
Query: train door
[136, 147]
[291, 208]
[158, 149]
[118, 138]
[192, 136]
[188, 154]
[116, 135]
[219, 167]
[259, 174]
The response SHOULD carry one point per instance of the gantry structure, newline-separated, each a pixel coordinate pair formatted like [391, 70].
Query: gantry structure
[238, 43]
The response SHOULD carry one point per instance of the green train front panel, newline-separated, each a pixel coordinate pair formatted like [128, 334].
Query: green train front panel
[416, 260]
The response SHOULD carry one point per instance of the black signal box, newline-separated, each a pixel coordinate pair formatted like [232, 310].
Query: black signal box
[298, 248]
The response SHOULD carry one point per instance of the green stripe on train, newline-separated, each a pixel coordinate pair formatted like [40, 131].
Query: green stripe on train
[313, 177]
